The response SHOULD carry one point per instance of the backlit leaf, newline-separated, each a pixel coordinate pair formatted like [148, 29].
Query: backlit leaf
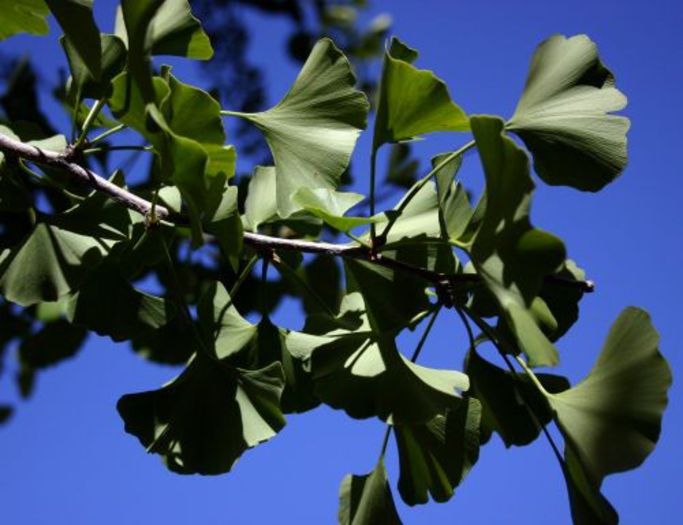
[312, 131]
[412, 101]
[27, 16]
[564, 116]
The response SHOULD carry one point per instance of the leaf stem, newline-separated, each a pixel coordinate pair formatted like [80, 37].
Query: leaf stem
[289, 272]
[425, 335]
[108, 133]
[88, 122]
[373, 169]
[505, 355]
[243, 276]
[90, 151]
[415, 189]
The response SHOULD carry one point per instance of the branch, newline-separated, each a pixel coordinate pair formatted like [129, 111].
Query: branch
[256, 241]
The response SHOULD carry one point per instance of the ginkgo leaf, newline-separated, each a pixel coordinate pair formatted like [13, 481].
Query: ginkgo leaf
[365, 375]
[313, 130]
[564, 116]
[367, 499]
[611, 420]
[261, 202]
[27, 16]
[412, 101]
[51, 262]
[331, 206]
[127, 313]
[511, 256]
[202, 421]
[83, 82]
[76, 20]
[419, 218]
[173, 30]
[507, 399]
[436, 456]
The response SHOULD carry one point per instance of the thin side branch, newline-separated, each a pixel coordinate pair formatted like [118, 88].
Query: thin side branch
[256, 241]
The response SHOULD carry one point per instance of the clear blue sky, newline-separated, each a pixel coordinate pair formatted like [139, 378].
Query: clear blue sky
[64, 458]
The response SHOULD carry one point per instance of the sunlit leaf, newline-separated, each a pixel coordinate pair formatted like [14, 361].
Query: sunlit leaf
[312, 131]
[367, 499]
[564, 116]
[364, 374]
[261, 202]
[173, 30]
[511, 256]
[412, 101]
[436, 456]
[331, 206]
[26, 16]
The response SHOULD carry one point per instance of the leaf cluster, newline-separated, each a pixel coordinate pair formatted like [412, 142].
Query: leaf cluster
[77, 254]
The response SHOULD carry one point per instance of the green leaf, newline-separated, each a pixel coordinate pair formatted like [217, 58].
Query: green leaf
[393, 299]
[611, 420]
[330, 206]
[202, 421]
[562, 300]
[312, 131]
[564, 115]
[173, 30]
[107, 304]
[83, 83]
[511, 256]
[412, 101]
[27, 16]
[435, 457]
[363, 373]
[261, 203]
[456, 215]
[367, 499]
[83, 37]
[505, 397]
[226, 226]
[419, 219]
[52, 260]
[249, 346]
[186, 129]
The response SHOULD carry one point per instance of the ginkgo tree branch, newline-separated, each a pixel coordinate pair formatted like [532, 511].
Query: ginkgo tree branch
[65, 162]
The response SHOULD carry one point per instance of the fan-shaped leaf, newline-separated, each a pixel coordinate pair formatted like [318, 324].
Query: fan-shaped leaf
[83, 82]
[367, 499]
[611, 421]
[436, 456]
[202, 421]
[564, 115]
[312, 131]
[412, 101]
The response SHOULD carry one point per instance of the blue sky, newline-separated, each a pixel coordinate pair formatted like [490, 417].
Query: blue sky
[65, 457]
